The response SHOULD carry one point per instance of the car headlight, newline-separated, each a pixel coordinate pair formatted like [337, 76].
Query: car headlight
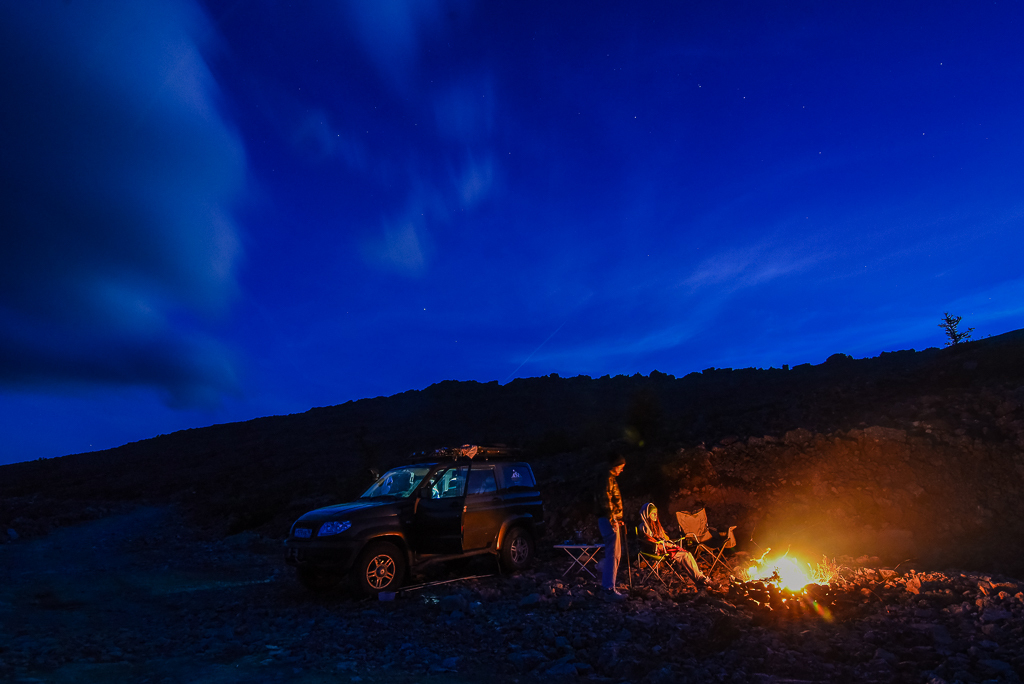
[333, 527]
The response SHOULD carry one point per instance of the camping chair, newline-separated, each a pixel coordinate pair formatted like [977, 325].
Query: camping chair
[706, 544]
[649, 563]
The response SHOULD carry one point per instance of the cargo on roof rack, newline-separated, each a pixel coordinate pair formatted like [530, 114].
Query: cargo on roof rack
[467, 451]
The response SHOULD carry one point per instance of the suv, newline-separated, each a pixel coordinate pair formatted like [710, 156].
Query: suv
[463, 502]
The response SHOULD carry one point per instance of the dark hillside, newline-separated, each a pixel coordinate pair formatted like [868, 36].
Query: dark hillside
[964, 402]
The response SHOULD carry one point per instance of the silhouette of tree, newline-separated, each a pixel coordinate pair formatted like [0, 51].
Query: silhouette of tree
[949, 326]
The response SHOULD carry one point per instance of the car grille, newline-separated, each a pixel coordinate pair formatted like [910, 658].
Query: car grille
[303, 533]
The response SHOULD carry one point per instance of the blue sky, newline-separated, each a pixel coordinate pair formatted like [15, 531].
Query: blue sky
[214, 211]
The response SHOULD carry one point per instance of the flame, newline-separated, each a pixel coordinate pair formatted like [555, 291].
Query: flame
[788, 573]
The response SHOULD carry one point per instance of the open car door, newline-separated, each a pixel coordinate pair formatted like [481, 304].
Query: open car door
[437, 521]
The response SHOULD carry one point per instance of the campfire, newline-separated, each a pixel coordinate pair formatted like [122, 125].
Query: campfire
[790, 573]
[784, 586]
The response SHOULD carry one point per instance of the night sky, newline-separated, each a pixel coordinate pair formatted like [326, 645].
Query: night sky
[213, 211]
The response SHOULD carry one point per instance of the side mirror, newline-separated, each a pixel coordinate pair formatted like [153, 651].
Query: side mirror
[424, 493]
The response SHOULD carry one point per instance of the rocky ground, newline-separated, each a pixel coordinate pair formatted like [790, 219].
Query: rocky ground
[139, 596]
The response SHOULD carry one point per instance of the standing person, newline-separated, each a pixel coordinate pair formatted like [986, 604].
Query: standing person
[609, 522]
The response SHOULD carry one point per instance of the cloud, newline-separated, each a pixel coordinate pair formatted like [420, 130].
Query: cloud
[399, 249]
[475, 181]
[117, 176]
[707, 291]
[737, 269]
[465, 112]
[391, 30]
[319, 140]
[662, 312]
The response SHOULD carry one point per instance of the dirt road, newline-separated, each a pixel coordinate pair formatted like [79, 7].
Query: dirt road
[137, 598]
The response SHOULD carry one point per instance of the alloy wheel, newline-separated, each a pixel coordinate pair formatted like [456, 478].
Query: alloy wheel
[520, 550]
[380, 571]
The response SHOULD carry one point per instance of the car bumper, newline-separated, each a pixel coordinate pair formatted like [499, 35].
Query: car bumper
[316, 554]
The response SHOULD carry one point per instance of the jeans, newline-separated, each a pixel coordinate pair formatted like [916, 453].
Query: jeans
[612, 551]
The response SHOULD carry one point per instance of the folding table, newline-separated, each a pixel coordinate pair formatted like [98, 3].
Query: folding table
[582, 555]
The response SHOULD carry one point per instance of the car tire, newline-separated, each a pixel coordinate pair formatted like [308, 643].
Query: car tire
[517, 549]
[381, 567]
[318, 581]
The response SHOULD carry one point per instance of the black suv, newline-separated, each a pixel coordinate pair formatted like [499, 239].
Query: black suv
[463, 502]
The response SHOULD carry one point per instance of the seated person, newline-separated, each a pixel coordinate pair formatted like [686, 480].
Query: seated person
[656, 542]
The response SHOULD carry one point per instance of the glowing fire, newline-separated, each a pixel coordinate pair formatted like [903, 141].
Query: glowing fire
[789, 573]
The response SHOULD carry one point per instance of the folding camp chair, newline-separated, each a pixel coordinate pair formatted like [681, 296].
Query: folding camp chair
[704, 543]
[649, 563]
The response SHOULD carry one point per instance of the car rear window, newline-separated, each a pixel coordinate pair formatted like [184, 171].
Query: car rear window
[517, 475]
[481, 481]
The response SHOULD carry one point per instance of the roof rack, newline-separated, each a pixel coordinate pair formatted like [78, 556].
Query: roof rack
[468, 452]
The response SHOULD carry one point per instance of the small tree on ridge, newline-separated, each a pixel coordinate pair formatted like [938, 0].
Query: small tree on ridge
[949, 326]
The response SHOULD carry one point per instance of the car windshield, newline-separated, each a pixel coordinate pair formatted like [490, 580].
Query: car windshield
[398, 482]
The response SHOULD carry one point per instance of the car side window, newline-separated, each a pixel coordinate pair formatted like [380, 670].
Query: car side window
[450, 483]
[517, 475]
[481, 481]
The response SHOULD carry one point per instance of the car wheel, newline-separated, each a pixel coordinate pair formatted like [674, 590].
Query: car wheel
[317, 580]
[381, 567]
[517, 549]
